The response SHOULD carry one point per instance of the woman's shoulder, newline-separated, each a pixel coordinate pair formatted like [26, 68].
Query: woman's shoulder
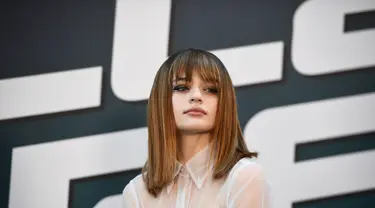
[245, 169]
[249, 163]
[131, 191]
[247, 175]
[247, 186]
[134, 185]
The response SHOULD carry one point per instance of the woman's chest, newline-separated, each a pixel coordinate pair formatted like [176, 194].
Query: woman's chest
[187, 194]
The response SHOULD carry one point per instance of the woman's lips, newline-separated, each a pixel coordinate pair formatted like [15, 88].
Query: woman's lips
[195, 111]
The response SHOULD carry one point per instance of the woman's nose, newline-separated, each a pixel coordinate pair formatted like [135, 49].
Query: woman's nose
[195, 95]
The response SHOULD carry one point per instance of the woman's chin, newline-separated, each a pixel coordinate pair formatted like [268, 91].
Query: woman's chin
[194, 130]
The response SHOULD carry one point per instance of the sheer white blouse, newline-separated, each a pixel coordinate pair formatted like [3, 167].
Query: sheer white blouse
[193, 186]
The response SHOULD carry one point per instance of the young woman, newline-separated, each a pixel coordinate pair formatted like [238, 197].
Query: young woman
[197, 156]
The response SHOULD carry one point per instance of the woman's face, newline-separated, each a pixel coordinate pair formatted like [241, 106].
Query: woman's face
[194, 104]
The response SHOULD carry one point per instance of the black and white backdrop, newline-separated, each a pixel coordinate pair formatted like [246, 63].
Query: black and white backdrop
[75, 76]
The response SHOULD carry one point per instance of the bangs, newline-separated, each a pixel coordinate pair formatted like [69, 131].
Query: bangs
[201, 62]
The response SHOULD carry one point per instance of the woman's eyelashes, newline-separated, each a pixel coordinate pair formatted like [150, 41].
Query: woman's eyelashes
[212, 90]
[180, 88]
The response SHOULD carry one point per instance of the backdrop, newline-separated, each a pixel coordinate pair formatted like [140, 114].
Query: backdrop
[75, 76]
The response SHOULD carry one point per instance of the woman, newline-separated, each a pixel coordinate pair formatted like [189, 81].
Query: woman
[197, 156]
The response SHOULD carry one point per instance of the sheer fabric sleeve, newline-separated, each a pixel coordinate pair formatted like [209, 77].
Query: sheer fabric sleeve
[129, 196]
[249, 188]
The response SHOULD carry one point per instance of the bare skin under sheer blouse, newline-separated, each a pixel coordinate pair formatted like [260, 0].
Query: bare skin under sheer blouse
[193, 186]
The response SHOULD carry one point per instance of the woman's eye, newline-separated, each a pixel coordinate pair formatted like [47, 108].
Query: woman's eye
[212, 90]
[180, 88]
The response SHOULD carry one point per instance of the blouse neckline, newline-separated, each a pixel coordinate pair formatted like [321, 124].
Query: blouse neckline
[197, 168]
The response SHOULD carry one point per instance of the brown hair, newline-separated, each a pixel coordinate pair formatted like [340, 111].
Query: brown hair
[228, 142]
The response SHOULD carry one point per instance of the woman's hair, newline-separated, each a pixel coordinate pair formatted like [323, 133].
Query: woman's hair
[163, 142]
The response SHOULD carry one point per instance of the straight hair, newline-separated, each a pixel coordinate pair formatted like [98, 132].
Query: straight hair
[228, 142]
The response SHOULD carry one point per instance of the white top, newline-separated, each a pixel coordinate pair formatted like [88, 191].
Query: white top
[193, 186]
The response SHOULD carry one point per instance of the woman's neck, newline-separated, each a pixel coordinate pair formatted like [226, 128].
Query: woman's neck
[192, 144]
